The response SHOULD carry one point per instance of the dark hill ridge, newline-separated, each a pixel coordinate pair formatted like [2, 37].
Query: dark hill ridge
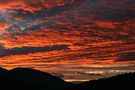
[2, 70]
[119, 82]
[29, 79]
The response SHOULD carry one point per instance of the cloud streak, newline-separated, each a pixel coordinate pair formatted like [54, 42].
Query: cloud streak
[27, 50]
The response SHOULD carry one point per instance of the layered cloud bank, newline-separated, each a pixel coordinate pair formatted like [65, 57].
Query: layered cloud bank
[54, 35]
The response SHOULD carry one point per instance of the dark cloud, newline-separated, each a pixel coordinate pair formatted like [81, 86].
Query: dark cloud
[26, 50]
[113, 10]
[118, 15]
[20, 12]
[127, 57]
[40, 4]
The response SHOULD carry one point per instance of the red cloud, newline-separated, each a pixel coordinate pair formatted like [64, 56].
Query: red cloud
[34, 5]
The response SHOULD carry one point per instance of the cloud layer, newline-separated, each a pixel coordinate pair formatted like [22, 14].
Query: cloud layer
[62, 34]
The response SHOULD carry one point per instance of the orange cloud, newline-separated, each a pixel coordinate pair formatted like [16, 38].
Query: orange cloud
[33, 5]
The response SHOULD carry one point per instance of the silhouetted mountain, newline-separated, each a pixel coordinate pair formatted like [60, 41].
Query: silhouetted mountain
[2, 71]
[29, 79]
[120, 82]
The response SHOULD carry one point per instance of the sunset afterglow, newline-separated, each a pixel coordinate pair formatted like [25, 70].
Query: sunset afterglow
[80, 39]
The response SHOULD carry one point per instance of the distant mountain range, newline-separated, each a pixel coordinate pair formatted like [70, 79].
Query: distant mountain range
[29, 79]
[119, 82]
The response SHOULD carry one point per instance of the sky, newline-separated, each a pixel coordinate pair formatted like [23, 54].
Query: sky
[77, 40]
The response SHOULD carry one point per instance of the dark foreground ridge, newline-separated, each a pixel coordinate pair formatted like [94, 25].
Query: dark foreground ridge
[29, 79]
[120, 82]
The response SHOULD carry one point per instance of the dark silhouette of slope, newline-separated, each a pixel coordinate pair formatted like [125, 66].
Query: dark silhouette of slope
[3, 75]
[29, 79]
[120, 82]
[2, 71]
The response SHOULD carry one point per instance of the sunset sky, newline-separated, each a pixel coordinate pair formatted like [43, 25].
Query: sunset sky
[78, 40]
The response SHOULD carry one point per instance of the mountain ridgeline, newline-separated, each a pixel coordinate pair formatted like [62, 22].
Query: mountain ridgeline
[29, 79]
